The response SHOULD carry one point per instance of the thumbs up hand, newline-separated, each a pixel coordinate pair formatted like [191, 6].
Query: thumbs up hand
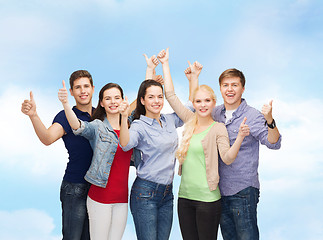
[244, 128]
[193, 70]
[163, 56]
[124, 107]
[28, 107]
[63, 94]
[152, 62]
[267, 111]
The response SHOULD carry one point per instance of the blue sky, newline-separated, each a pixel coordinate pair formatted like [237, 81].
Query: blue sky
[277, 44]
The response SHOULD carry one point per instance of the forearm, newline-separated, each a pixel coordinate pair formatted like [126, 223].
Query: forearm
[71, 117]
[46, 135]
[193, 85]
[232, 153]
[40, 130]
[273, 135]
[168, 82]
[124, 132]
[149, 73]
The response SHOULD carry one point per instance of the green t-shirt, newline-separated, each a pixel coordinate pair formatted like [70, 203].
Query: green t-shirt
[193, 181]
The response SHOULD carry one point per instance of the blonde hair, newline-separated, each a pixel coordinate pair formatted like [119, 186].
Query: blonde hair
[190, 126]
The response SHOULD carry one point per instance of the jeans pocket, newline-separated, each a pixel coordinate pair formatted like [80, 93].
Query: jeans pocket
[81, 190]
[142, 194]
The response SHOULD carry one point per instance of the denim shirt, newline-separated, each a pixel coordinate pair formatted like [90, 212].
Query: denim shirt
[243, 172]
[157, 144]
[104, 142]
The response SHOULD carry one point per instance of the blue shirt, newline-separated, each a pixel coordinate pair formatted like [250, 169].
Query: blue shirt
[157, 144]
[243, 172]
[78, 148]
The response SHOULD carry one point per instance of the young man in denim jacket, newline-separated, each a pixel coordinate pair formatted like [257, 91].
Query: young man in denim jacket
[74, 188]
[239, 182]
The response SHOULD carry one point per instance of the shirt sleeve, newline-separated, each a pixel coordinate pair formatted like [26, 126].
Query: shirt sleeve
[189, 105]
[259, 130]
[134, 136]
[223, 143]
[61, 119]
[87, 129]
[181, 111]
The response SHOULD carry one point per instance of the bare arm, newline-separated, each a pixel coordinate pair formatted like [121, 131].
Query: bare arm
[163, 57]
[124, 131]
[152, 63]
[46, 135]
[70, 115]
[273, 134]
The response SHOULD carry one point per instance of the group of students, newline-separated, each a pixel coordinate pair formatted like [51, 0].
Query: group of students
[218, 157]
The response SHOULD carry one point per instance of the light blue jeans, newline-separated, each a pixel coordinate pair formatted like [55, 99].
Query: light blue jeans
[239, 215]
[74, 213]
[151, 205]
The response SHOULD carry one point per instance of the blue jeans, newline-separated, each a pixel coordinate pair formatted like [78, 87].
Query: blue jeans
[239, 215]
[151, 205]
[74, 213]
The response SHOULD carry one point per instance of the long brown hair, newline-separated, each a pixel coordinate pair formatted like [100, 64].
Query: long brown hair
[140, 108]
[99, 112]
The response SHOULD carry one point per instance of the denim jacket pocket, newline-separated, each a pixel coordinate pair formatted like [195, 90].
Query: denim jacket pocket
[104, 141]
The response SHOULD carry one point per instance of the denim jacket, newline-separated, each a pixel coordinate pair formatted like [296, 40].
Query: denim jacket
[104, 142]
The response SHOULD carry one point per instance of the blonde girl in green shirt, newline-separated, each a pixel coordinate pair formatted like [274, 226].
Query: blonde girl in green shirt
[199, 205]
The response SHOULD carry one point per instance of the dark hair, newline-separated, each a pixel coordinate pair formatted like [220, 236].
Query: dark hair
[232, 72]
[79, 74]
[140, 108]
[99, 112]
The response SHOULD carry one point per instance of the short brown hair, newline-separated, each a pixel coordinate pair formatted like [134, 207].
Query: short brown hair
[79, 74]
[232, 72]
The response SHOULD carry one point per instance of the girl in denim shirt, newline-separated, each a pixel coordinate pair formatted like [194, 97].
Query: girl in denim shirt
[155, 135]
[107, 201]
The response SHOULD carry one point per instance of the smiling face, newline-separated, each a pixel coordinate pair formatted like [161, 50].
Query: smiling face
[111, 100]
[82, 91]
[203, 103]
[153, 101]
[231, 91]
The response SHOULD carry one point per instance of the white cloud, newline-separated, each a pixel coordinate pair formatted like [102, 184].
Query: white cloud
[20, 147]
[28, 224]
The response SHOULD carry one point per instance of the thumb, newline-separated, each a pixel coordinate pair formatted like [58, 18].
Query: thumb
[167, 50]
[189, 63]
[31, 96]
[244, 120]
[64, 84]
[145, 57]
[271, 103]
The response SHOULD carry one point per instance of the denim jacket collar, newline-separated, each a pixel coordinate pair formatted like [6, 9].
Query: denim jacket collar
[109, 127]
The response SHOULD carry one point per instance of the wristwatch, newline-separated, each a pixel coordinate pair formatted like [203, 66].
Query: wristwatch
[272, 125]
